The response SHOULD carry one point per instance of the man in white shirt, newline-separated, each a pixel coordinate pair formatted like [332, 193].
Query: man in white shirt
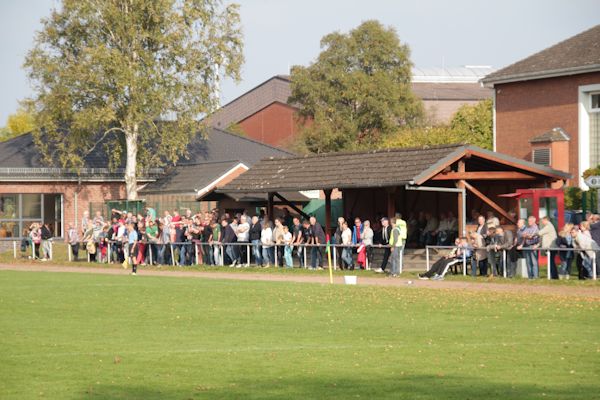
[242, 231]
[347, 250]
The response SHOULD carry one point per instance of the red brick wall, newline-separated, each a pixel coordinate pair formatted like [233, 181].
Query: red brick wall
[274, 125]
[87, 192]
[527, 109]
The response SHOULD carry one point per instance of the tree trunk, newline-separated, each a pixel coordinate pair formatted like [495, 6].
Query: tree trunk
[131, 136]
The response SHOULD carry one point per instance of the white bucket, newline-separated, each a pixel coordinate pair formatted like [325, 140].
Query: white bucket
[350, 279]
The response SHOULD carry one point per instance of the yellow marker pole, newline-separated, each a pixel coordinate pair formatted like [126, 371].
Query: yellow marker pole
[329, 261]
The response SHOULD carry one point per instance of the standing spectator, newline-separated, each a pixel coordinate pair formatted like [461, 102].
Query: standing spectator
[36, 239]
[254, 236]
[278, 239]
[547, 234]
[46, 236]
[207, 238]
[357, 231]
[565, 241]
[492, 221]
[482, 228]
[397, 243]
[337, 237]
[386, 233]
[73, 241]
[480, 257]
[585, 242]
[297, 240]
[243, 234]
[530, 247]
[152, 238]
[216, 240]
[287, 252]
[347, 260]
[266, 240]
[229, 237]
[318, 236]
[163, 247]
[367, 241]
[500, 241]
[132, 241]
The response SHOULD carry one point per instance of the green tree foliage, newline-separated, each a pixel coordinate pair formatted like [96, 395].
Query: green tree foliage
[471, 124]
[357, 92]
[110, 70]
[22, 121]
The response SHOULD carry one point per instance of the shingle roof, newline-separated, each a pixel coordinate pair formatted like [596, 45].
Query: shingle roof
[577, 54]
[339, 170]
[189, 178]
[554, 135]
[380, 168]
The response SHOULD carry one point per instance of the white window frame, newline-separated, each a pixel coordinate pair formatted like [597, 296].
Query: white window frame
[585, 103]
[591, 108]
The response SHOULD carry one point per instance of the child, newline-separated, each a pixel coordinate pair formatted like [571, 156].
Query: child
[132, 240]
[287, 240]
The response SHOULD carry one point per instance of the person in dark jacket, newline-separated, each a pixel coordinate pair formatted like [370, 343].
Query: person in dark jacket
[386, 233]
[46, 245]
[318, 237]
[255, 230]
[228, 237]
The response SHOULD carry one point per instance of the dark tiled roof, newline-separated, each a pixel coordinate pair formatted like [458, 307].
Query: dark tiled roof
[577, 54]
[220, 145]
[554, 135]
[381, 168]
[189, 178]
[451, 91]
[21, 154]
[339, 170]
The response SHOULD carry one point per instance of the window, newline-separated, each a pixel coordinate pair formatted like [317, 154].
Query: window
[19, 211]
[541, 156]
[595, 102]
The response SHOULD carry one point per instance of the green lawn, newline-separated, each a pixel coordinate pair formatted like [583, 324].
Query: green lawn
[80, 336]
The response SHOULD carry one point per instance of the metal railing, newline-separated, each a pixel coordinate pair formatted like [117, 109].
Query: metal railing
[548, 250]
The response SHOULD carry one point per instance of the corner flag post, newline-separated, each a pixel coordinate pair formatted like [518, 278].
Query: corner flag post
[328, 250]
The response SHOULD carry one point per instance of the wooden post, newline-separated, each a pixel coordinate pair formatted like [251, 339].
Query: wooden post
[391, 202]
[461, 206]
[327, 211]
[270, 207]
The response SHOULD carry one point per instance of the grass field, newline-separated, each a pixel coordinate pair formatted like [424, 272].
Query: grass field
[80, 336]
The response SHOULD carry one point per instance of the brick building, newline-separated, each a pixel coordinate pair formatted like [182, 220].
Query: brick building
[30, 191]
[547, 106]
[265, 114]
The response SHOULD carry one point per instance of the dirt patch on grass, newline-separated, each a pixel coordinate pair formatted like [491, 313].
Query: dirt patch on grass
[541, 289]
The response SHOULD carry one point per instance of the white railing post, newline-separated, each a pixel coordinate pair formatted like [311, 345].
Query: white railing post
[51, 249]
[196, 252]
[172, 254]
[109, 253]
[504, 258]
[275, 252]
[222, 255]
[594, 267]
[88, 253]
[427, 256]
[334, 257]
[548, 255]
[33, 250]
[248, 255]
[305, 258]
[464, 262]
[402, 260]
[367, 259]
[69, 252]
[15, 248]
[150, 255]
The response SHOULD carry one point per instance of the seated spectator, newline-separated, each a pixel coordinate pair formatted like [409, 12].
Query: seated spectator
[430, 230]
[439, 269]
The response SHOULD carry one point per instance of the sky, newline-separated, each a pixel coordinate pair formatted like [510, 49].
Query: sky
[282, 33]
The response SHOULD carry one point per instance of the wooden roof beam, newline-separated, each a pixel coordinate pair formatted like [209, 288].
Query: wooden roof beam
[487, 200]
[483, 175]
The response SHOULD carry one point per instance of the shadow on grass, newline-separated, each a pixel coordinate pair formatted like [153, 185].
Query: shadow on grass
[376, 387]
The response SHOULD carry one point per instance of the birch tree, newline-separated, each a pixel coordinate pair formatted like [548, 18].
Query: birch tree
[133, 76]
